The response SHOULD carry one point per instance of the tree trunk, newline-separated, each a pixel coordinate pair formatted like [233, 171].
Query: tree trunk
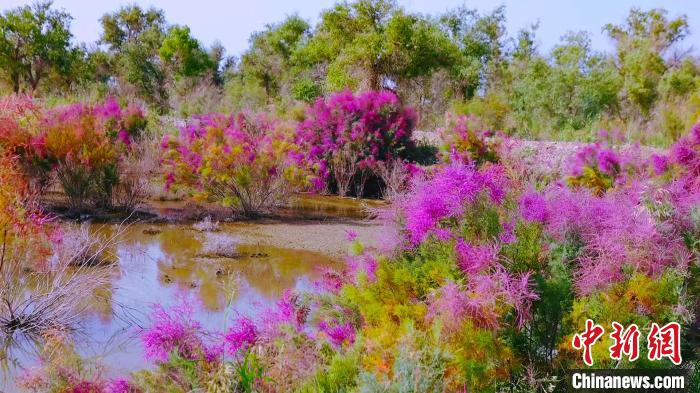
[15, 83]
[374, 78]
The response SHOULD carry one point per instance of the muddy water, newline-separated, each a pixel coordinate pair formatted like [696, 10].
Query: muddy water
[163, 263]
[300, 205]
[326, 205]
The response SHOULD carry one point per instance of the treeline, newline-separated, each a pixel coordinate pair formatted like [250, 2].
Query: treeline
[461, 62]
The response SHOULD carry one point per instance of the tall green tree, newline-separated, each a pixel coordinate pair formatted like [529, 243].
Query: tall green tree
[133, 37]
[35, 41]
[641, 43]
[183, 55]
[481, 41]
[568, 90]
[269, 62]
[374, 44]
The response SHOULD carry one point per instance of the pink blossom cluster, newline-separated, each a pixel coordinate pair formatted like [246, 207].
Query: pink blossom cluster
[480, 300]
[372, 124]
[338, 334]
[173, 330]
[615, 231]
[598, 156]
[241, 336]
[446, 194]
[686, 154]
[467, 140]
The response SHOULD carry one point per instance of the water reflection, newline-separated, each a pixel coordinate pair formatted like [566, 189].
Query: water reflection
[161, 264]
[332, 206]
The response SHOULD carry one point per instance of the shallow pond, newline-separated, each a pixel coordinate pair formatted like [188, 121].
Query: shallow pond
[161, 264]
[302, 205]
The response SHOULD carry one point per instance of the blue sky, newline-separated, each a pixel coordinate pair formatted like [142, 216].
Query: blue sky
[232, 21]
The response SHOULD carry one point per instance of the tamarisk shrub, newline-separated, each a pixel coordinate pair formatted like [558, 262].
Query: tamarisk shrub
[396, 175]
[80, 145]
[241, 161]
[83, 145]
[345, 136]
[600, 166]
[18, 119]
[466, 139]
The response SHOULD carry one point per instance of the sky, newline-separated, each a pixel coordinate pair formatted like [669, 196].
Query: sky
[232, 21]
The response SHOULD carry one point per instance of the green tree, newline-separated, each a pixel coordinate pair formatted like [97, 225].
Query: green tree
[481, 41]
[374, 44]
[641, 43]
[572, 88]
[269, 63]
[35, 42]
[134, 37]
[183, 55]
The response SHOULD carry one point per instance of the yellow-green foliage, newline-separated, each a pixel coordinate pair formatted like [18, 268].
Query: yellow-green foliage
[639, 299]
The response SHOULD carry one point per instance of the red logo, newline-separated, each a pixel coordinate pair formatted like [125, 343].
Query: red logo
[586, 340]
[665, 342]
[662, 341]
[626, 342]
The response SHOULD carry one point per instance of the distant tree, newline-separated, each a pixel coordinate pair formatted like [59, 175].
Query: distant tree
[35, 42]
[134, 37]
[183, 55]
[575, 86]
[374, 45]
[268, 63]
[481, 41]
[220, 62]
[641, 43]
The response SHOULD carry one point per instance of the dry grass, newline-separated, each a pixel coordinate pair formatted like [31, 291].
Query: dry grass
[220, 245]
[58, 295]
[206, 225]
[395, 177]
[137, 172]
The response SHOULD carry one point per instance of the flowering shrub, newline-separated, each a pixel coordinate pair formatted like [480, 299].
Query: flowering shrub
[465, 140]
[396, 175]
[344, 137]
[173, 331]
[240, 161]
[18, 118]
[81, 145]
[685, 157]
[24, 233]
[615, 236]
[601, 166]
[446, 195]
